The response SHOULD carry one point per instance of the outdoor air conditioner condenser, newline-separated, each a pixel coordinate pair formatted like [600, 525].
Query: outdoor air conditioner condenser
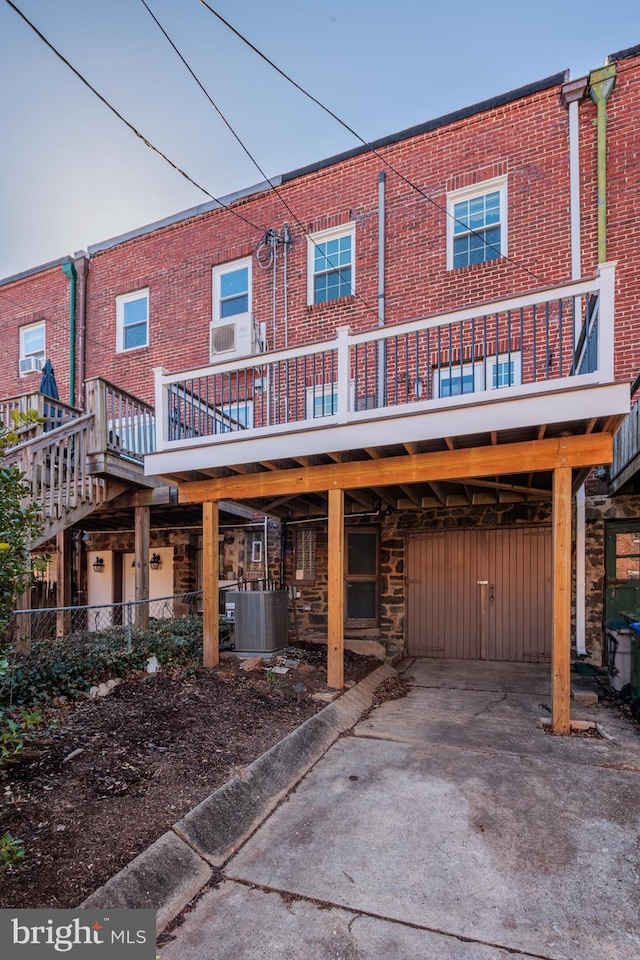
[260, 620]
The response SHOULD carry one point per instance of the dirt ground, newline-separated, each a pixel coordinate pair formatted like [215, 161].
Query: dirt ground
[113, 774]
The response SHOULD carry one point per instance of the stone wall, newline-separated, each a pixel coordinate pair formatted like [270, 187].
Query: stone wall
[599, 510]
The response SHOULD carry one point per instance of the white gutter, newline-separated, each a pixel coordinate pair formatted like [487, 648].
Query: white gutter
[572, 93]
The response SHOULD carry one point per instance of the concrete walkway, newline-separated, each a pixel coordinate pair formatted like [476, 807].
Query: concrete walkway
[449, 826]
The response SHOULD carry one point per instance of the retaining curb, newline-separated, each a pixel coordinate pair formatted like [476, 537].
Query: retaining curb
[168, 874]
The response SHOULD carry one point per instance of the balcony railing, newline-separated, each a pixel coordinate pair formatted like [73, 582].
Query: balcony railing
[53, 413]
[626, 445]
[543, 341]
[123, 424]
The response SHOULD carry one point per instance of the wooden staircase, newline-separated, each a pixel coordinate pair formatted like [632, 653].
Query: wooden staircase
[75, 463]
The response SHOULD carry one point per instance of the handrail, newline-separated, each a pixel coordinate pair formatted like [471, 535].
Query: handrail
[560, 336]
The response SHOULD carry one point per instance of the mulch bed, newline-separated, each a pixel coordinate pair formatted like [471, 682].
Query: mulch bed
[114, 774]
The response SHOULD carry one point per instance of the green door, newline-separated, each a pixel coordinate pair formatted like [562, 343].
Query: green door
[622, 591]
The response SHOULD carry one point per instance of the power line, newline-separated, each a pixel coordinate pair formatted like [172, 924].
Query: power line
[365, 143]
[126, 122]
[237, 137]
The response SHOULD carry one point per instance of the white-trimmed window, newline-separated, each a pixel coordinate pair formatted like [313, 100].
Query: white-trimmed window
[477, 224]
[331, 265]
[231, 290]
[32, 348]
[322, 399]
[505, 370]
[132, 313]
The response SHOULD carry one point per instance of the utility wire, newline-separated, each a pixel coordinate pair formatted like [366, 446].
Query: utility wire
[131, 127]
[365, 143]
[237, 137]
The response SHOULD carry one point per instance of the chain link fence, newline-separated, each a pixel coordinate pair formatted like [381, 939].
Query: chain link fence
[100, 623]
[65, 650]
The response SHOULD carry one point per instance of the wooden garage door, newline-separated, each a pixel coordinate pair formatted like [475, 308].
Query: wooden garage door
[480, 594]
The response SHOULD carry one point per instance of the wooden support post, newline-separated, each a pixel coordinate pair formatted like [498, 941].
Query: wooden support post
[335, 625]
[210, 578]
[64, 570]
[142, 536]
[561, 649]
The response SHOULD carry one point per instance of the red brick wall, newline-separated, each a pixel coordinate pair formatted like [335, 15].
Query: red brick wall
[526, 141]
[41, 296]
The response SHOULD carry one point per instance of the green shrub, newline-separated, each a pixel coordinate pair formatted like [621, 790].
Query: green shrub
[71, 666]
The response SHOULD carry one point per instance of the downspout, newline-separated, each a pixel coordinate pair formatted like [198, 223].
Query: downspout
[572, 92]
[285, 281]
[81, 264]
[70, 273]
[601, 83]
[382, 346]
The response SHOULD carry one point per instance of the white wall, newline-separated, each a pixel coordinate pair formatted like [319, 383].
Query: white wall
[160, 581]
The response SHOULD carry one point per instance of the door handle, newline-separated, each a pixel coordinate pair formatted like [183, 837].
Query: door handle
[492, 592]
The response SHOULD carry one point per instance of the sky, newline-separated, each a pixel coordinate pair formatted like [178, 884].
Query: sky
[72, 174]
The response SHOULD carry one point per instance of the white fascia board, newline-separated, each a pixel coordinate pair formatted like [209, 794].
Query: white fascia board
[507, 414]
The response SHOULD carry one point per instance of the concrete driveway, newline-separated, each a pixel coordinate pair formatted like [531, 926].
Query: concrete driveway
[448, 826]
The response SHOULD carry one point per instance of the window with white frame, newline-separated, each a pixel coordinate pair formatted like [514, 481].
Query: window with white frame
[32, 348]
[331, 265]
[322, 399]
[132, 313]
[477, 224]
[491, 373]
[231, 289]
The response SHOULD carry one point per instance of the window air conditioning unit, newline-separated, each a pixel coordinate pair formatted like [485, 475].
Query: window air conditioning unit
[31, 365]
[237, 337]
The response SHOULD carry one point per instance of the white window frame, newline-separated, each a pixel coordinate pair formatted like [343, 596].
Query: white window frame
[38, 355]
[121, 303]
[441, 374]
[469, 193]
[220, 271]
[348, 230]
[325, 391]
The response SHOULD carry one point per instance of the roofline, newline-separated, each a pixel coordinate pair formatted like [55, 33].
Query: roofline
[553, 81]
[624, 54]
[197, 211]
[33, 270]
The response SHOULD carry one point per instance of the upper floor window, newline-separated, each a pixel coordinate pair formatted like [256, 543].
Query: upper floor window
[132, 312]
[31, 348]
[331, 265]
[231, 289]
[477, 224]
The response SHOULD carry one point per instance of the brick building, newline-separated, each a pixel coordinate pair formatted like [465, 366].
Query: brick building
[359, 316]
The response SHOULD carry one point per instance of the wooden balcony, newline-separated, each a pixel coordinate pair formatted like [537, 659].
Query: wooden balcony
[528, 367]
[625, 468]
[74, 462]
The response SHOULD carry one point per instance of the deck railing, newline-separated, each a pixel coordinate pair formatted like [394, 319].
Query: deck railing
[626, 444]
[546, 340]
[55, 466]
[124, 424]
[53, 413]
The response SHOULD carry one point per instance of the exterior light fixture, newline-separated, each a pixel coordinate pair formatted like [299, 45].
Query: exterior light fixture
[98, 564]
[156, 561]
[418, 387]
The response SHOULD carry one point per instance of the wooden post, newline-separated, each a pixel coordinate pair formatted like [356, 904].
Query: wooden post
[64, 570]
[335, 624]
[561, 648]
[210, 578]
[142, 526]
